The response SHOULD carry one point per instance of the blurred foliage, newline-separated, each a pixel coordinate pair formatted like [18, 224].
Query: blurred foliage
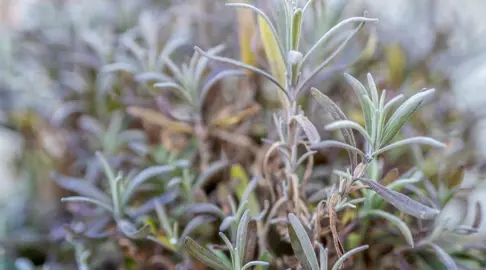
[194, 135]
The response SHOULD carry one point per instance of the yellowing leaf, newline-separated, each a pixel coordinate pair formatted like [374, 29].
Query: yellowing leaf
[238, 173]
[274, 58]
[370, 47]
[348, 216]
[396, 63]
[354, 240]
[156, 118]
[166, 242]
[229, 120]
[457, 177]
[152, 224]
[246, 29]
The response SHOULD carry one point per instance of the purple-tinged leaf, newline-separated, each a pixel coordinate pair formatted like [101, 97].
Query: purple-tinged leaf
[401, 201]
[194, 224]
[205, 208]
[82, 187]
[142, 177]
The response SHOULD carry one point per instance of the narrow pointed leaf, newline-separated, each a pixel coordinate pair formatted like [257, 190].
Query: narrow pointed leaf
[402, 202]
[478, 219]
[82, 187]
[211, 82]
[209, 172]
[246, 30]
[346, 124]
[194, 224]
[444, 257]
[255, 263]
[373, 89]
[179, 90]
[401, 225]
[337, 114]
[323, 257]
[309, 128]
[228, 245]
[403, 114]
[409, 141]
[241, 233]
[227, 221]
[392, 103]
[204, 255]
[296, 27]
[151, 76]
[346, 255]
[301, 244]
[250, 248]
[203, 62]
[88, 200]
[402, 182]
[205, 208]
[338, 144]
[128, 229]
[362, 94]
[142, 177]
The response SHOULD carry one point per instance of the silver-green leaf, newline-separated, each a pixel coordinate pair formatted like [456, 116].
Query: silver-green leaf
[403, 114]
[301, 244]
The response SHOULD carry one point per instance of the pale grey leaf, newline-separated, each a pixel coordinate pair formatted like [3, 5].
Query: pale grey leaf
[209, 172]
[338, 144]
[202, 63]
[88, 200]
[309, 128]
[373, 89]
[128, 229]
[403, 114]
[347, 124]
[444, 257]
[409, 141]
[333, 30]
[255, 263]
[205, 208]
[212, 81]
[195, 223]
[241, 233]
[402, 202]
[346, 255]
[362, 94]
[120, 66]
[82, 187]
[226, 223]
[151, 76]
[301, 244]
[142, 177]
[323, 257]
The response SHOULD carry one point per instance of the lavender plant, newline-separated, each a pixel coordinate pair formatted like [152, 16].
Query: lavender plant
[178, 163]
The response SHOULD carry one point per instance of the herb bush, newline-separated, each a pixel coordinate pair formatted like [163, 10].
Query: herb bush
[245, 135]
